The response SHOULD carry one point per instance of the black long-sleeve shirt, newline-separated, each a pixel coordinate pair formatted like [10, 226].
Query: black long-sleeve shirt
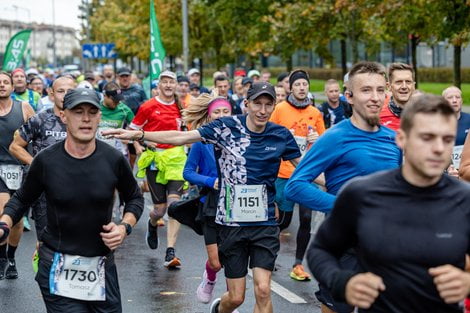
[79, 195]
[399, 231]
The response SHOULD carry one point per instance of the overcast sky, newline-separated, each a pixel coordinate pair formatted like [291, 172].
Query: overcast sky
[66, 11]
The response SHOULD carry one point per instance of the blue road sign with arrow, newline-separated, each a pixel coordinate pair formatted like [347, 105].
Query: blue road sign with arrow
[99, 51]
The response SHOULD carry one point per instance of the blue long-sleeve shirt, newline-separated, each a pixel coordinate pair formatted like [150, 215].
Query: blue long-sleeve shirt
[342, 152]
[200, 168]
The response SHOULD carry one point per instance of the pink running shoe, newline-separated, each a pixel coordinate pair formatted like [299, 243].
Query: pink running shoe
[205, 289]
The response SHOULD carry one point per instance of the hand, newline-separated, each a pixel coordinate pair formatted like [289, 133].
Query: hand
[216, 184]
[312, 137]
[452, 171]
[452, 283]
[152, 145]
[113, 235]
[138, 149]
[120, 133]
[363, 289]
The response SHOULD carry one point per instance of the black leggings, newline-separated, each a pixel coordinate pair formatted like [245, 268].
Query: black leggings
[303, 233]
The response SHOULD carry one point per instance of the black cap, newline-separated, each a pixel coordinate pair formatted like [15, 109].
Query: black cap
[246, 80]
[259, 89]
[79, 96]
[194, 86]
[124, 71]
[182, 78]
[281, 76]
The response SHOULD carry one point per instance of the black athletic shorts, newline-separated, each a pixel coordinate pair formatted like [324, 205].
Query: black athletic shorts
[256, 246]
[131, 148]
[347, 261]
[209, 228]
[160, 191]
[59, 304]
[4, 188]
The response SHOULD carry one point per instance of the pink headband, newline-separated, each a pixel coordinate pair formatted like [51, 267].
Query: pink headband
[217, 103]
[18, 70]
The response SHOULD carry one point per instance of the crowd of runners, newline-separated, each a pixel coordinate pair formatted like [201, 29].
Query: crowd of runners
[385, 162]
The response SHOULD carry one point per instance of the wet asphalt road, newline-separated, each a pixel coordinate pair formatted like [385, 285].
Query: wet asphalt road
[147, 286]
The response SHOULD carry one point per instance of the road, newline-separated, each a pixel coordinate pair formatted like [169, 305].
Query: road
[147, 286]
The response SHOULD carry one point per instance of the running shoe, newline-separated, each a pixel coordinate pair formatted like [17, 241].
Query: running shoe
[171, 261]
[3, 266]
[151, 236]
[160, 222]
[298, 273]
[205, 289]
[215, 306]
[26, 224]
[11, 272]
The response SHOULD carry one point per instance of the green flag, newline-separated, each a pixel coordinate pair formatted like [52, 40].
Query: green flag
[157, 52]
[15, 50]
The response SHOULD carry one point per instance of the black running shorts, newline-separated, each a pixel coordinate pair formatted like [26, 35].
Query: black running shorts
[253, 246]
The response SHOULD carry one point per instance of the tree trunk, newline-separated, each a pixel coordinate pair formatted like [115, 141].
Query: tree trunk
[457, 63]
[414, 60]
[201, 69]
[344, 57]
[289, 64]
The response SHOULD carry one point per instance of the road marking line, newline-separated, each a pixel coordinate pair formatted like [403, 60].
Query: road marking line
[283, 292]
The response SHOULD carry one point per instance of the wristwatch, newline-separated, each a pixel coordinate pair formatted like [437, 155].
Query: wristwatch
[128, 228]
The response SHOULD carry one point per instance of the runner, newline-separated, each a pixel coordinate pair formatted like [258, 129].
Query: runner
[78, 175]
[114, 114]
[248, 234]
[201, 170]
[355, 147]
[402, 85]
[165, 177]
[334, 110]
[13, 114]
[305, 122]
[409, 226]
[42, 130]
[21, 92]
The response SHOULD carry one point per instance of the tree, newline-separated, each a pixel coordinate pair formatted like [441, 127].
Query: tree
[456, 28]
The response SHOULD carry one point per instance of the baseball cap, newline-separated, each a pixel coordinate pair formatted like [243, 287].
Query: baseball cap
[79, 96]
[253, 73]
[262, 88]
[32, 71]
[193, 71]
[181, 79]
[194, 86]
[169, 74]
[246, 80]
[89, 75]
[124, 71]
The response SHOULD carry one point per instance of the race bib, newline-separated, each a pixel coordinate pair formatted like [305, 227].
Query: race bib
[12, 175]
[302, 144]
[248, 204]
[456, 156]
[78, 277]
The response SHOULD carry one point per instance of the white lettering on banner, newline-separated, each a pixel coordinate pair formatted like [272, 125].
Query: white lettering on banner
[12, 175]
[456, 156]
[78, 277]
[250, 204]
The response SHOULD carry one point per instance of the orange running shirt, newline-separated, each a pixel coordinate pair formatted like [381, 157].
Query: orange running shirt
[299, 120]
